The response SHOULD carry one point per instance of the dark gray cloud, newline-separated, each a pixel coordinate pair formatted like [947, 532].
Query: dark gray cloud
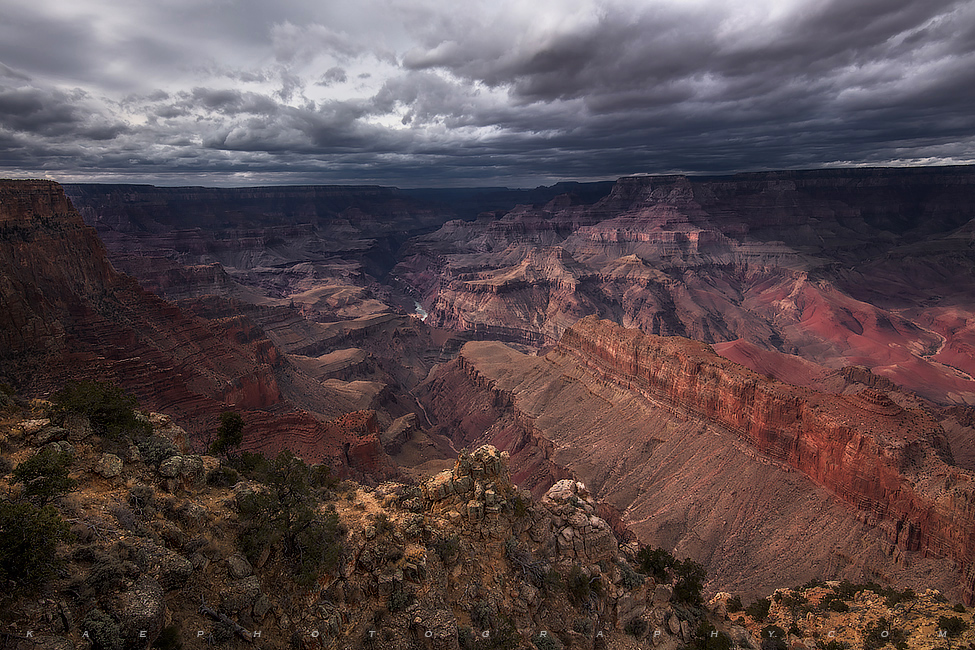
[426, 93]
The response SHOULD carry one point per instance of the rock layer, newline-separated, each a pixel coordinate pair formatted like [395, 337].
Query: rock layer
[65, 314]
[887, 461]
[765, 483]
[869, 267]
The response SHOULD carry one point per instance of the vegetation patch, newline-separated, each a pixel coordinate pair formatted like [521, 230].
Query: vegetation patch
[45, 475]
[110, 410]
[284, 516]
[29, 537]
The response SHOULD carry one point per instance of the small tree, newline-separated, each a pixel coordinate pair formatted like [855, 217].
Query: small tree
[952, 625]
[29, 537]
[284, 516]
[689, 577]
[45, 475]
[230, 435]
[759, 609]
[655, 562]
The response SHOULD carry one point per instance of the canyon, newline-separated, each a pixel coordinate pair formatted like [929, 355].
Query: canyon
[872, 267]
[769, 373]
[756, 478]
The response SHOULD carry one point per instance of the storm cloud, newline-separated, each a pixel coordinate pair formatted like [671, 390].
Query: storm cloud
[431, 93]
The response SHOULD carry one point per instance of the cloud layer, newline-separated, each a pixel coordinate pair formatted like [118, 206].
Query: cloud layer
[424, 93]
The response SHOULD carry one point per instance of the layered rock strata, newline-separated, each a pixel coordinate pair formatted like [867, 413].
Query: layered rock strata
[867, 267]
[765, 483]
[66, 314]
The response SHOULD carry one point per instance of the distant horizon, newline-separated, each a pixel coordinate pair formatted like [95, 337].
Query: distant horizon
[490, 187]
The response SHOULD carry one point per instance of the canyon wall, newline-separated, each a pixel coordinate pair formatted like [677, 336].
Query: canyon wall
[872, 267]
[66, 314]
[892, 463]
[765, 483]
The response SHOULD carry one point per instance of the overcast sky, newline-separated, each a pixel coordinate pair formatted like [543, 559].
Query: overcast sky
[426, 93]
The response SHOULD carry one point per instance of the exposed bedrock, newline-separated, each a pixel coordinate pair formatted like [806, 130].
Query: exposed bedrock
[768, 484]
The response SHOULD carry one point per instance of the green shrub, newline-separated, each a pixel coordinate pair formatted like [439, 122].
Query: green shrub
[482, 615]
[552, 581]
[400, 599]
[504, 637]
[894, 597]
[222, 476]
[734, 604]
[230, 433]
[251, 465]
[320, 476]
[630, 578]
[108, 574]
[953, 625]
[284, 516]
[759, 609]
[582, 626]
[960, 608]
[447, 548]
[45, 475]
[520, 505]
[655, 562]
[29, 537]
[110, 410]
[636, 627]
[156, 449]
[834, 603]
[578, 585]
[880, 633]
[103, 630]
[689, 579]
[142, 499]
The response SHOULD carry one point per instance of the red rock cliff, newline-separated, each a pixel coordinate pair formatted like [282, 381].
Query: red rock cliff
[893, 464]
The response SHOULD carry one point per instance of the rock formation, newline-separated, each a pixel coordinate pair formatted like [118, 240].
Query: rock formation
[67, 315]
[764, 258]
[705, 456]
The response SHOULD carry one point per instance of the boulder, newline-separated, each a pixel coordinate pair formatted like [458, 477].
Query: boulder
[174, 570]
[109, 466]
[187, 472]
[140, 609]
[78, 426]
[239, 566]
[240, 595]
[662, 594]
[50, 434]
